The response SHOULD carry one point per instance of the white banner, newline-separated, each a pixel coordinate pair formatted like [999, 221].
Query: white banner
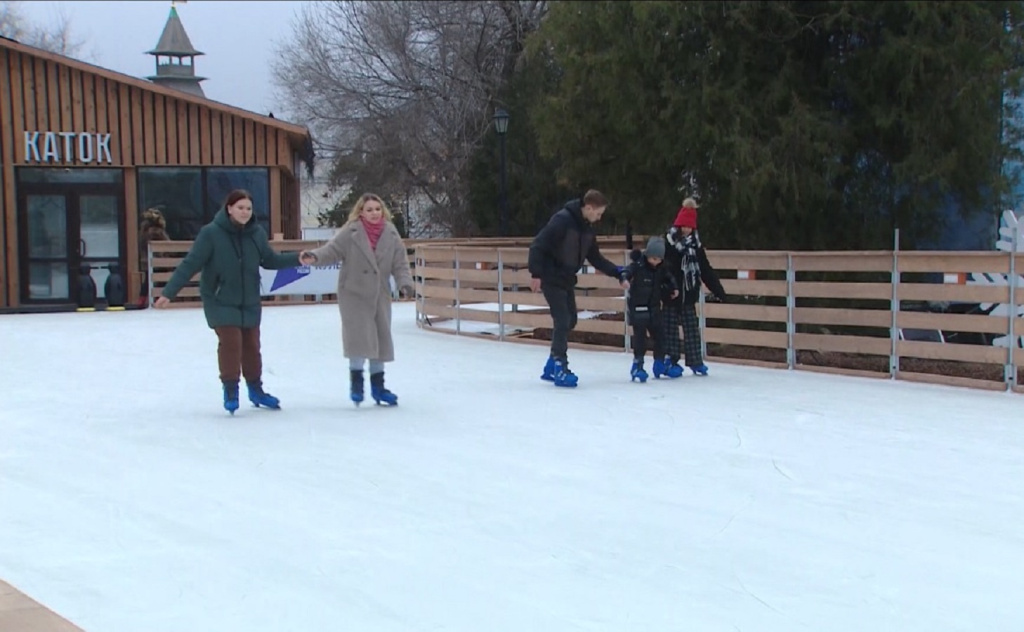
[302, 280]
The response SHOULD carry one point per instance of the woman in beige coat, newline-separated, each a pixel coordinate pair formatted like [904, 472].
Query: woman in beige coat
[370, 251]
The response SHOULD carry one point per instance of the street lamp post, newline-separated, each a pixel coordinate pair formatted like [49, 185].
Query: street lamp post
[501, 126]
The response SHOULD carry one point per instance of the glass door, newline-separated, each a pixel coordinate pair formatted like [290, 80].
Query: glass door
[46, 262]
[99, 236]
[63, 228]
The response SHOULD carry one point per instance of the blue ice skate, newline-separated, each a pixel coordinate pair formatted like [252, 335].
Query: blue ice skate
[563, 376]
[636, 372]
[667, 368]
[259, 397]
[549, 370]
[381, 395]
[356, 388]
[700, 369]
[231, 397]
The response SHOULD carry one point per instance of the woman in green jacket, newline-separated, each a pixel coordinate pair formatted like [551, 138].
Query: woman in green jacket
[230, 251]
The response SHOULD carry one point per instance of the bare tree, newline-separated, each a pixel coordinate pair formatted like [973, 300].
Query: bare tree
[56, 37]
[404, 89]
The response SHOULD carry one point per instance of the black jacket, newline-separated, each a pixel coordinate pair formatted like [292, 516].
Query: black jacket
[708, 276]
[648, 286]
[560, 248]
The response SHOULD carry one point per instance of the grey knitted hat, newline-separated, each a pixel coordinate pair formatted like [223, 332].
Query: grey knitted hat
[655, 248]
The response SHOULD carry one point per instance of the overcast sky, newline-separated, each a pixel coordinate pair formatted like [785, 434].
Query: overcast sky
[237, 38]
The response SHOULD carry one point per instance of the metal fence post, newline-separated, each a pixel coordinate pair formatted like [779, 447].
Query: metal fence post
[790, 307]
[149, 273]
[894, 307]
[703, 324]
[501, 298]
[416, 282]
[1011, 329]
[458, 299]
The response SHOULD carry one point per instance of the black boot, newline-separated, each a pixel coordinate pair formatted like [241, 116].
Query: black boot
[380, 394]
[356, 388]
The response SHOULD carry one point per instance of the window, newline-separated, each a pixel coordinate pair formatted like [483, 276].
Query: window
[190, 197]
[178, 194]
[223, 180]
[61, 175]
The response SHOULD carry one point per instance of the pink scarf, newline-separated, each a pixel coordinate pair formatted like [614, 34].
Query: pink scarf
[373, 231]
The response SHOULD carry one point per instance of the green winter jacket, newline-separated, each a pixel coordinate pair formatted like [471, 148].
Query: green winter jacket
[230, 257]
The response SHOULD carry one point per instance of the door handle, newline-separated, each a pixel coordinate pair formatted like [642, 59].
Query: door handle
[81, 247]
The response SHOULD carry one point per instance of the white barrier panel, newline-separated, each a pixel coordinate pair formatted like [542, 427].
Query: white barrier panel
[304, 280]
[299, 281]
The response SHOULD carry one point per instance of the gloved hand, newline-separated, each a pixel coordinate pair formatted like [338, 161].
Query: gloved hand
[675, 238]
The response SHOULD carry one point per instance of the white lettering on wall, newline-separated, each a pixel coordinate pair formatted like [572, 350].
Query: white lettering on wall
[77, 147]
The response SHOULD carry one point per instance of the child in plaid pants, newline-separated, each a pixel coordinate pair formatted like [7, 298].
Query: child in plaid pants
[687, 260]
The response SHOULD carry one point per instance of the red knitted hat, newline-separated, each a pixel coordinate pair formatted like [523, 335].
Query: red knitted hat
[687, 217]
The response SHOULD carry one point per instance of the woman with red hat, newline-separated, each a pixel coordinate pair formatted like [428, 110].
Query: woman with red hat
[689, 263]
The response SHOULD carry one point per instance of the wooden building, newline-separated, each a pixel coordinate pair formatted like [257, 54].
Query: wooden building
[85, 151]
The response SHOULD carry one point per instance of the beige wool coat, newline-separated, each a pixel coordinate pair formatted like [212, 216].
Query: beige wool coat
[364, 291]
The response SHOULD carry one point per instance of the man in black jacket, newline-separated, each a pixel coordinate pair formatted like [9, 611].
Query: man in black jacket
[556, 255]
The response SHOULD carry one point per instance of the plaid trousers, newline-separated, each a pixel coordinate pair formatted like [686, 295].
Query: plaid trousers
[691, 336]
[671, 318]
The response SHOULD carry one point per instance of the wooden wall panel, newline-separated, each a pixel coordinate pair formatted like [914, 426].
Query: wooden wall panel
[284, 151]
[171, 127]
[147, 106]
[239, 143]
[272, 147]
[77, 107]
[126, 128]
[205, 144]
[193, 134]
[13, 122]
[136, 155]
[160, 130]
[89, 99]
[261, 145]
[131, 229]
[212, 139]
[28, 94]
[67, 119]
[40, 69]
[6, 171]
[227, 139]
[276, 209]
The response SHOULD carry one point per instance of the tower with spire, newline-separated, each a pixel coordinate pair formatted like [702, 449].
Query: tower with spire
[175, 58]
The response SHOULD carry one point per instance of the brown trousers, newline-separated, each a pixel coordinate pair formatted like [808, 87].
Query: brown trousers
[238, 352]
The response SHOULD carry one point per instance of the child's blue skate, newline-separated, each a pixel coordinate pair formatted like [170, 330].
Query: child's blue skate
[636, 372]
[667, 368]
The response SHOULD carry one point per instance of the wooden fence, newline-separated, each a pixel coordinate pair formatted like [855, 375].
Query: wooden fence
[164, 256]
[901, 315]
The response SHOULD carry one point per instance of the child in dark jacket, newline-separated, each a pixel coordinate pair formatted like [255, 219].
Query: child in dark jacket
[690, 266]
[649, 283]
